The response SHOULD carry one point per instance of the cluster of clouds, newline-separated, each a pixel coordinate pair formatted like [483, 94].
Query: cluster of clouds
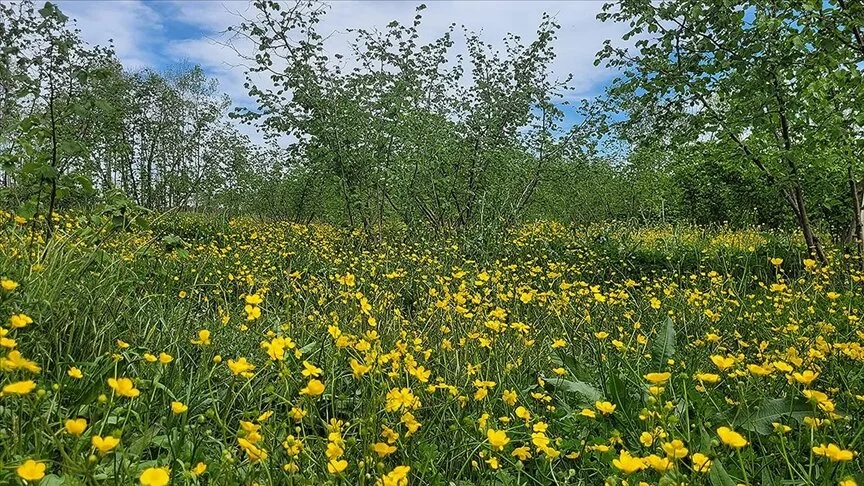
[160, 34]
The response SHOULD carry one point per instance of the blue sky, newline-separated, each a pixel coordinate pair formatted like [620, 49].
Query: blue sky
[157, 34]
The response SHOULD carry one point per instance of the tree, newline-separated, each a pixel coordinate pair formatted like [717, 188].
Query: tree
[398, 129]
[76, 127]
[771, 87]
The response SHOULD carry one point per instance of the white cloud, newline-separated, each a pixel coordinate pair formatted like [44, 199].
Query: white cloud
[135, 28]
[143, 35]
[580, 37]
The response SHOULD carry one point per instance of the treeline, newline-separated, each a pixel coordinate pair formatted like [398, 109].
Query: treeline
[741, 112]
[79, 130]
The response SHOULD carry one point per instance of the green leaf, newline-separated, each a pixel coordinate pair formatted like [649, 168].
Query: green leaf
[767, 476]
[161, 441]
[616, 390]
[55, 480]
[589, 392]
[773, 410]
[718, 475]
[142, 442]
[663, 346]
[309, 348]
[27, 210]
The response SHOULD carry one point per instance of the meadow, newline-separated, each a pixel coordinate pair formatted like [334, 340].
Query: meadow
[253, 352]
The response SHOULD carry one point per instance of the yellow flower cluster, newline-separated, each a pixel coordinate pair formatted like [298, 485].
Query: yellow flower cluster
[418, 359]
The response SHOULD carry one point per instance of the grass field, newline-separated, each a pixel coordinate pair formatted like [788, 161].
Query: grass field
[208, 351]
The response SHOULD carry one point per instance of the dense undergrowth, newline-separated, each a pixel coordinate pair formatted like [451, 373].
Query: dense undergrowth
[215, 351]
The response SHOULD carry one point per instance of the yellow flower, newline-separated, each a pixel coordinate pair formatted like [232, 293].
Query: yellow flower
[155, 476]
[313, 389]
[776, 261]
[605, 408]
[847, 482]
[758, 370]
[587, 412]
[806, 377]
[6, 342]
[731, 438]
[523, 413]
[199, 469]
[723, 363]
[336, 466]
[19, 387]
[497, 438]
[75, 427]
[410, 423]
[252, 312]
[627, 463]
[813, 422]
[399, 398]
[150, 358]
[701, 463]
[240, 367]
[123, 387]
[203, 338]
[264, 416]
[18, 321]
[76, 373]
[15, 361]
[334, 450]
[8, 285]
[178, 407]
[509, 397]
[358, 369]
[397, 477]
[310, 370]
[675, 449]
[782, 366]
[521, 453]
[833, 452]
[104, 444]
[601, 335]
[122, 344]
[558, 344]
[658, 378]
[646, 439]
[31, 470]
[383, 449]
[297, 414]
[659, 464]
[253, 452]
[165, 358]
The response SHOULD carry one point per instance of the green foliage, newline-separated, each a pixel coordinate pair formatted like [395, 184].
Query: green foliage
[755, 94]
[400, 130]
[663, 345]
[77, 128]
[775, 410]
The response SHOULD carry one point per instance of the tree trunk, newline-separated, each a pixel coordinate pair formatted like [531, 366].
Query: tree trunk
[857, 223]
